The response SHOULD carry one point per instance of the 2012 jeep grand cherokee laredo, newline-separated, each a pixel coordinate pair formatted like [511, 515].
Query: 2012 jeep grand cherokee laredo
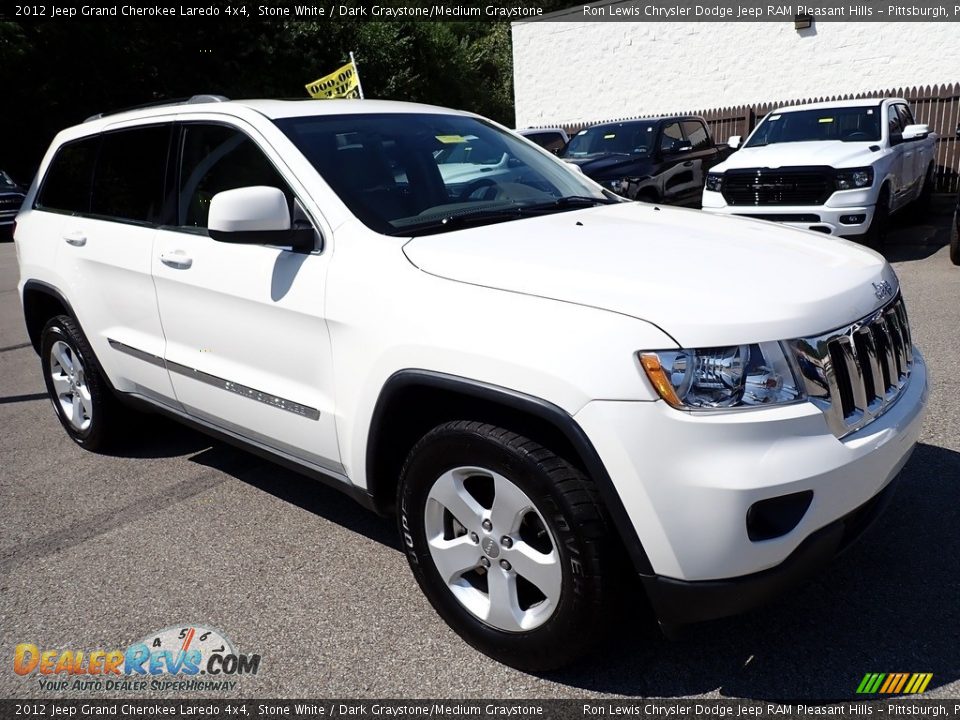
[516, 366]
[840, 168]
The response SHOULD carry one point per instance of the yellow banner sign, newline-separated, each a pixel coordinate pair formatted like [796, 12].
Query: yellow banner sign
[343, 82]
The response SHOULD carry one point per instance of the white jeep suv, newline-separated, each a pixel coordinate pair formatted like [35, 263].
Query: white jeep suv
[548, 385]
[840, 168]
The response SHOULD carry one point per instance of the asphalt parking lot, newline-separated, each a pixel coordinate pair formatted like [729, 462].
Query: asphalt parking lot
[98, 551]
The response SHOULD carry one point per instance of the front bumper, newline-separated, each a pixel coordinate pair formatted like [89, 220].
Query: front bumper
[820, 218]
[677, 602]
[688, 480]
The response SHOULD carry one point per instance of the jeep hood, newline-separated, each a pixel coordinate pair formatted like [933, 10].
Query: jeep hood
[831, 152]
[704, 279]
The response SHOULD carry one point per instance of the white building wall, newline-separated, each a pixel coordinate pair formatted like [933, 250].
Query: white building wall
[575, 72]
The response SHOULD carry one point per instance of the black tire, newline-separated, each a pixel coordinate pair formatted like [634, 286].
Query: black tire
[955, 239]
[876, 234]
[564, 498]
[922, 205]
[106, 416]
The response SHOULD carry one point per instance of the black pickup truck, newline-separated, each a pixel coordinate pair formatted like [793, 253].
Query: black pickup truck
[656, 160]
[11, 198]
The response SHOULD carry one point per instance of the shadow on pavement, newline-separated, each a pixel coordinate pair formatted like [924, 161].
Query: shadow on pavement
[916, 238]
[889, 604]
[159, 437]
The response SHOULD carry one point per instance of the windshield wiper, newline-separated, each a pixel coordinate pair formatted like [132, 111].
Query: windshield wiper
[568, 201]
[489, 217]
[455, 222]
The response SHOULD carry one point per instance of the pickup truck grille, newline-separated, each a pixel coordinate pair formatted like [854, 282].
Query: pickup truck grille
[10, 203]
[856, 373]
[760, 186]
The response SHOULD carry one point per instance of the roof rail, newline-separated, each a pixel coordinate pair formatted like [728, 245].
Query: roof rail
[193, 100]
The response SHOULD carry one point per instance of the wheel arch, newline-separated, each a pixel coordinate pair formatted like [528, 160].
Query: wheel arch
[42, 301]
[414, 401]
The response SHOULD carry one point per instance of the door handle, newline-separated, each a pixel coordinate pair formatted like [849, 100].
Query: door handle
[77, 239]
[178, 260]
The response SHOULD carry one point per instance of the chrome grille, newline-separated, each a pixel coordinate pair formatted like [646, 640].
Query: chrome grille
[855, 373]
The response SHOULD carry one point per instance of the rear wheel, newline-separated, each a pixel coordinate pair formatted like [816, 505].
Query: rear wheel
[508, 542]
[81, 397]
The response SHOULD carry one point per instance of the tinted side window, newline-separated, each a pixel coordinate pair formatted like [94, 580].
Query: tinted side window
[66, 186]
[551, 141]
[893, 120]
[128, 181]
[217, 158]
[671, 136]
[906, 117]
[697, 134]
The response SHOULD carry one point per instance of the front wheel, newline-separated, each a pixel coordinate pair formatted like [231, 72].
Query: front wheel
[922, 205]
[877, 232]
[509, 543]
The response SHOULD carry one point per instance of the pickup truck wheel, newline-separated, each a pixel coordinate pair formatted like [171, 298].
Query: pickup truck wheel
[81, 398]
[922, 204]
[955, 241]
[877, 233]
[508, 542]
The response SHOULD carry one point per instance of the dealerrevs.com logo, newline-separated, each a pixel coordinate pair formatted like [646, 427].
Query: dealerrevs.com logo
[183, 658]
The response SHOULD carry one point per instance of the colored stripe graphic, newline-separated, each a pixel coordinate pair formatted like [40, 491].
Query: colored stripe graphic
[903, 680]
[894, 683]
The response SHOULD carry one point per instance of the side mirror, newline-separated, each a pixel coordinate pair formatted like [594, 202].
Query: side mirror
[734, 142]
[257, 215]
[915, 132]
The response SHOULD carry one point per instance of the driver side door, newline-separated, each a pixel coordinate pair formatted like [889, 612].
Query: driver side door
[247, 344]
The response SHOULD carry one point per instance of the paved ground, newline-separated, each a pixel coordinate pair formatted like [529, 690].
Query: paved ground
[98, 551]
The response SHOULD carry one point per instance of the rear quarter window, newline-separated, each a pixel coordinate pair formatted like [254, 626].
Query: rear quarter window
[129, 175]
[66, 186]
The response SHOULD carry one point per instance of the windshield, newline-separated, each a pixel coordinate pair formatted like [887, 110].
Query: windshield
[848, 124]
[410, 173]
[619, 139]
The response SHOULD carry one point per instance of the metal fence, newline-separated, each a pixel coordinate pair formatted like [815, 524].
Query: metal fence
[937, 106]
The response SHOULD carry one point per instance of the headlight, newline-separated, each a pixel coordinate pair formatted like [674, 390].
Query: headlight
[723, 377]
[855, 178]
[714, 181]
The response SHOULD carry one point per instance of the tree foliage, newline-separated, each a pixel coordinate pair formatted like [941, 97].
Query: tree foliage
[57, 73]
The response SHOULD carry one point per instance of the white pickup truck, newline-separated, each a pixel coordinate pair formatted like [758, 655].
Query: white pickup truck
[840, 168]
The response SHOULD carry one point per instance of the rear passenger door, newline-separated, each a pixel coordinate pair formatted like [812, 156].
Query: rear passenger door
[678, 178]
[111, 191]
[898, 168]
[702, 154]
[247, 344]
[913, 161]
